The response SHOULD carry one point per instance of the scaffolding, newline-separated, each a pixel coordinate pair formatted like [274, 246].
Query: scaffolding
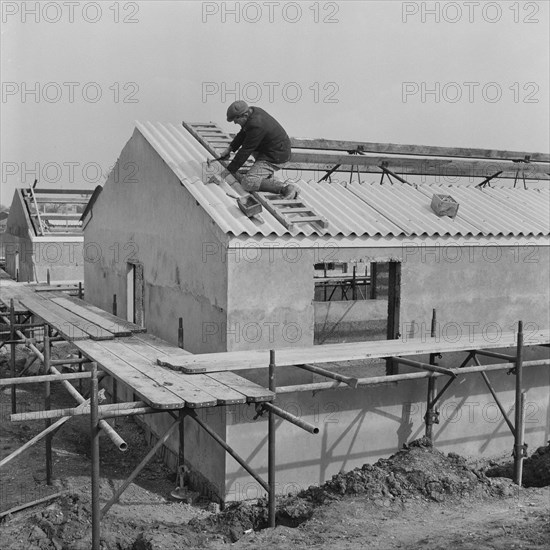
[39, 337]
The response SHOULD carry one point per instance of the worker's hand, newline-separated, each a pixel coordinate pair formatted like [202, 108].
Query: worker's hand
[218, 178]
[225, 154]
[224, 173]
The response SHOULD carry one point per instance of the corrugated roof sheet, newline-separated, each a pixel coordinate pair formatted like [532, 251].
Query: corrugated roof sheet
[358, 209]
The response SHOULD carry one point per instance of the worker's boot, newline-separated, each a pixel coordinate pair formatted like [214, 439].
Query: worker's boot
[286, 190]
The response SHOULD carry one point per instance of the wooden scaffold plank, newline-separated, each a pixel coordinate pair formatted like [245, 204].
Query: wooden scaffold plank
[241, 360]
[145, 387]
[254, 392]
[61, 323]
[110, 318]
[221, 393]
[114, 327]
[127, 350]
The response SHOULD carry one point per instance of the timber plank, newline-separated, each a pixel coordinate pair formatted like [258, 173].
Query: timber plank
[220, 392]
[95, 332]
[242, 360]
[136, 345]
[132, 327]
[193, 396]
[146, 387]
[254, 392]
[425, 150]
[158, 344]
[61, 323]
[15, 291]
[427, 166]
[215, 362]
[116, 328]
[226, 395]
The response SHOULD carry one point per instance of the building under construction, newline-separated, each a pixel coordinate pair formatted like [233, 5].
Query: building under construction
[43, 240]
[212, 324]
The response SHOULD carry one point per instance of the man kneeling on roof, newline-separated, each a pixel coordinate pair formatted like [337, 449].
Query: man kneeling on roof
[266, 140]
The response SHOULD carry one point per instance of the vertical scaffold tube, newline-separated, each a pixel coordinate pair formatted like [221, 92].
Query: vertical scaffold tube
[47, 405]
[12, 346]
[518, 444]
[94, 432]
[271, 445]
[432, 387]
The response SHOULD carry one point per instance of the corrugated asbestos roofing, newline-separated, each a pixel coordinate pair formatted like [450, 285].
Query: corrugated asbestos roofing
[356, 209]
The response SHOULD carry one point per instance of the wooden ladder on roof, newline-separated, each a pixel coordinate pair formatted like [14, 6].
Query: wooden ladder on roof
[288, 212]
[35, 216]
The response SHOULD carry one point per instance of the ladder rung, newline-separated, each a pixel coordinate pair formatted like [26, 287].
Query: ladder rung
[310, 219]
[284, 202]
[306, 219]
[295, 210]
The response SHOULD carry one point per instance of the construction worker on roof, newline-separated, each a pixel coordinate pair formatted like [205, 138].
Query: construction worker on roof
[266, 140]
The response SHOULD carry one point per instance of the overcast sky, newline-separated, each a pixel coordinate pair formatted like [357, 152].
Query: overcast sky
[77, 75]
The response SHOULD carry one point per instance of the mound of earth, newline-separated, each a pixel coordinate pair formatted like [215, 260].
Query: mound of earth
[536, 469]
[418, 470]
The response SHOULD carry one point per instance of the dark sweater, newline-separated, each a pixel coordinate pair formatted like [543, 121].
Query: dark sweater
[262, 134]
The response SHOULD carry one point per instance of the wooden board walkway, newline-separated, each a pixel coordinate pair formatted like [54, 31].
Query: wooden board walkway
[117, 325]
[124, 351]
[132, 361]
[11, 289]
[71, 326]
[242, 360]
[73, 318]
[113, 327]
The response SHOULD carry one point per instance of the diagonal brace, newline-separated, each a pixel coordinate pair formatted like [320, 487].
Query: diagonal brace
[440, 393]
[486, 181]
[495, 397]
[487, 353]
[140, 467]
[219, 440]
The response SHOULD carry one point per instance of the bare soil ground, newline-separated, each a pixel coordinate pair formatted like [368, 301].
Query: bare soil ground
[418, 498]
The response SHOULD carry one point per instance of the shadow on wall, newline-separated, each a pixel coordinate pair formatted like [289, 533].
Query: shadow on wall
[360, 426]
